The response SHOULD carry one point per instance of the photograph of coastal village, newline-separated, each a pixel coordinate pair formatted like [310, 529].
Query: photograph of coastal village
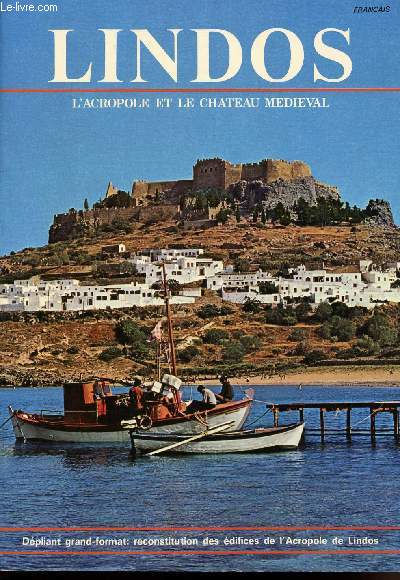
[205, 323]
[272, 275]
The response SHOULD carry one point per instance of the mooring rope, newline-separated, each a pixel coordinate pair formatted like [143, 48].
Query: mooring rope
[258, 418]
[6, 421]
[368, 416]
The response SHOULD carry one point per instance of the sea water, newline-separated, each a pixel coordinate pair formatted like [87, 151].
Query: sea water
[338, 484]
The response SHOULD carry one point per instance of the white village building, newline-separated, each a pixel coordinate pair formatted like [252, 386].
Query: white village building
[185, 266]
[367, 287]
[70, 295]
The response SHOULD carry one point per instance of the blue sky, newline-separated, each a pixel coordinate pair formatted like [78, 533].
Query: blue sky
[52, 157]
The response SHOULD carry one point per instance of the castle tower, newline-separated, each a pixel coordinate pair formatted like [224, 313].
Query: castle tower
[111, 190]
[220, 174]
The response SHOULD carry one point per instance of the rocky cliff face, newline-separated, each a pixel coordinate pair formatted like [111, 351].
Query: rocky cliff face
[286, 192]
[379, 213]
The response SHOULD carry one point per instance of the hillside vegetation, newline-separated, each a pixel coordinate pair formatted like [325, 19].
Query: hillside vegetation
[49, 348]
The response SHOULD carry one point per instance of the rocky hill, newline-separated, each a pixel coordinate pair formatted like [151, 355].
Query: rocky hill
[48, 349]
[276, 191]
[269, 215]
[268, 245]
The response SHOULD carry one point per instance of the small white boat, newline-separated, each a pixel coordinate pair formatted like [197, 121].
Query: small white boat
[245, 441]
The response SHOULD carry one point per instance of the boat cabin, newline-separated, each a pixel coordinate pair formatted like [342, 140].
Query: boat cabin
[94, 402]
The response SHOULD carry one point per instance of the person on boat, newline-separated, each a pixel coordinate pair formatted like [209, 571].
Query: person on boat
[136, 395]
[226, 393]
[209, 401]
[173, 400]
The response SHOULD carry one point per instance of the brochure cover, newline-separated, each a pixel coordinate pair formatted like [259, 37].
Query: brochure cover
[199, 286]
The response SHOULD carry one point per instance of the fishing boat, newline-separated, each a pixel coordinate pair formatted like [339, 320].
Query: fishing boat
[93, 414]
[214, 441]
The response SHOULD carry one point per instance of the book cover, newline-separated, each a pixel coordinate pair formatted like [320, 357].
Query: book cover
[199, 255]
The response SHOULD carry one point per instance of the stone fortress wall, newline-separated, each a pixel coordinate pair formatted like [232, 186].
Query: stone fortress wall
[67, 226]
[274, 180]
[219, 174]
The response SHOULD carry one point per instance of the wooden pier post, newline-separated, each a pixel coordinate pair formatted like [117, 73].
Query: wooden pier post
[347, 406]
[322, 424]
[348, 424]
[396, 423]
[373, 421]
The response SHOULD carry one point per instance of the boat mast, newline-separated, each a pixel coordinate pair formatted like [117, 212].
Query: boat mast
[169, 321]
[158, 361]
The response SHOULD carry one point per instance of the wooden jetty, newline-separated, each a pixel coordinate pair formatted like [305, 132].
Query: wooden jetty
[374, 408]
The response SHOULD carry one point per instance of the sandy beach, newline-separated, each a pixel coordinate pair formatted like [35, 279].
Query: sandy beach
[349, 376]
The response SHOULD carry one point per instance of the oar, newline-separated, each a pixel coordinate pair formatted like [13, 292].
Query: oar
[193, 438]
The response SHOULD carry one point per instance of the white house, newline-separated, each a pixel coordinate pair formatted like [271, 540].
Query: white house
[229, 279]
[366, 287]
[185, 266]
[70, 295]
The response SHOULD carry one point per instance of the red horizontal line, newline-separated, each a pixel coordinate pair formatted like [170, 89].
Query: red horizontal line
[196, 528]
[205, 90]
[198, 552]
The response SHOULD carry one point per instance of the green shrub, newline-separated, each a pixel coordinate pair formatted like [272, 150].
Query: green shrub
[379, 329]
[340, 309]
[281, 316]
[222, 216]
[233, 351]
[208, 311]
[73, 350]
[267, 287]
[129, 333]
[357, 312]
[252, 305]
[289, 320]
[187, 354]
[110, 353]
[58, 259]
[211, 310]
[242, 264]
[367, 346]
[33, 261]
[323, 312]
[338, 327]
[297, 335]
[303, 310]
[342, 328]
[314, 356]
[325, 331]
[215, 336]
[250, 343]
